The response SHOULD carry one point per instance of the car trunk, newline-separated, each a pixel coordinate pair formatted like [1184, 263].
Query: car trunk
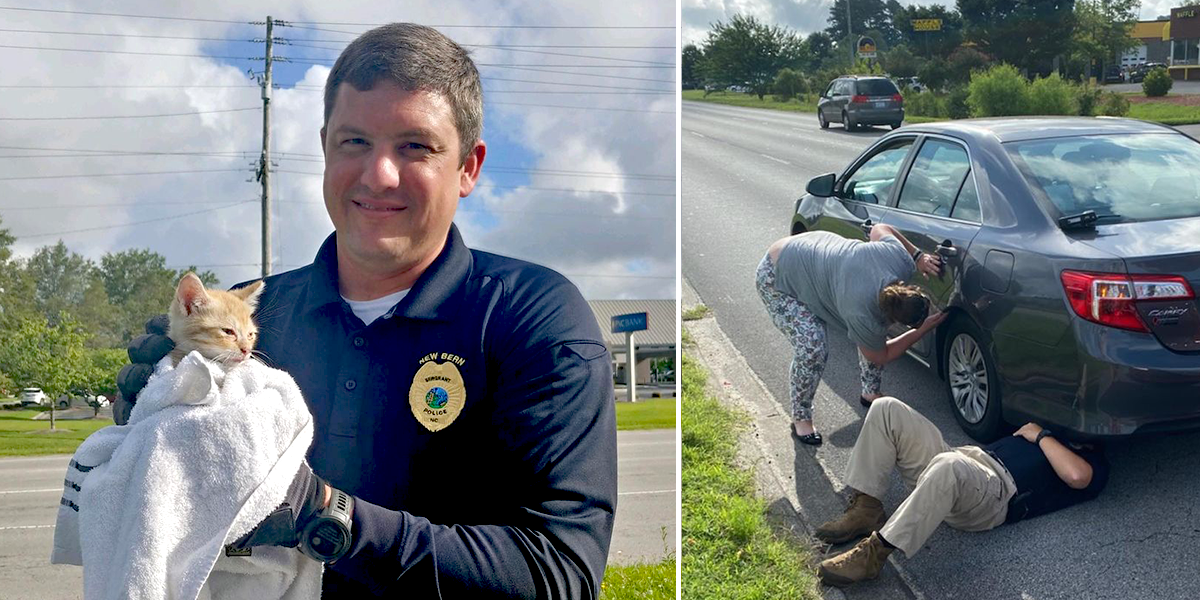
[1161, 248]
[879, 93]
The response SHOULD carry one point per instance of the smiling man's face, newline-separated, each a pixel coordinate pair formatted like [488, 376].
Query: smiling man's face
[393, 175]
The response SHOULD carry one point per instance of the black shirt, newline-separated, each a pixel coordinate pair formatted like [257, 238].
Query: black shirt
[474, 423]
[1039, 489]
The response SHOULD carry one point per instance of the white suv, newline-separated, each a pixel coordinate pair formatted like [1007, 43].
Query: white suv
[33, 396]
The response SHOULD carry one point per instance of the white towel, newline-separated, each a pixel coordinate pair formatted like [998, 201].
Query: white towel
[206, 455]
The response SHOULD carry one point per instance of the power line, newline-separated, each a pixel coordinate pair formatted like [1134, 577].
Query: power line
[131, 224]
[521, 187]
[183, 114]
[132, 35]
[487, 92]
[297, 24]
[85, 175]
[586, 108]
[128, 152]
[509, 49]
[314, 61]
[560, 46]
[120, 87]
[153, 204]
[100, 14]
[94, 51]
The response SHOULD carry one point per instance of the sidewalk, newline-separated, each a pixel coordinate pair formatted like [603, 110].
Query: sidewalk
[800, 491]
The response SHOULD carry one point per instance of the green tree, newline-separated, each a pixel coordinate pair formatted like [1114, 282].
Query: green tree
[1026, 33]
[61, 278]
[748, 52]
[1052, 96]
[962, 62]
[865, 16]
[140, 285]
[16, 288]
[52, 357]
[1102, 31]
[788, 85]
[690, 74]
[899, 62]
[934, 73]
[929, 43]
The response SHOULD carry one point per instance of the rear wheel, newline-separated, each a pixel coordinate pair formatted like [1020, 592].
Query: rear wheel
[896, 125]
[972, 384]
[847, 123]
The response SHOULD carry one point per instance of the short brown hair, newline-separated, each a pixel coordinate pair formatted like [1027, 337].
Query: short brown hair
[414, 57]
[904, 304]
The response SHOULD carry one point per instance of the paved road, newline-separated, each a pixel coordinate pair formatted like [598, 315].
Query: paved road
[742, 170]
[31, 487]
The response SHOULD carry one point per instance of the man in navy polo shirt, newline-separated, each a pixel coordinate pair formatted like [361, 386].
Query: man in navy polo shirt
[463, 399]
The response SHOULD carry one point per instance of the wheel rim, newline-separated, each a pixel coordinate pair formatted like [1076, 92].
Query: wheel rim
[968, 378]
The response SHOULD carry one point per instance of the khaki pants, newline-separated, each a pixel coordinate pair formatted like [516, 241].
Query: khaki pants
[965, 487]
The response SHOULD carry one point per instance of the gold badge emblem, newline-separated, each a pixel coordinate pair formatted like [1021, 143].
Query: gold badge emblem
[437, 394]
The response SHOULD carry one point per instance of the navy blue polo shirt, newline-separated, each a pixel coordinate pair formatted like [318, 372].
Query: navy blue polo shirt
[473, 422]
[1039, 489]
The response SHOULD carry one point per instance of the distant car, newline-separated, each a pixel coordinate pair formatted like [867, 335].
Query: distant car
[912, 83]
[861, 100]
[34, 396]
[1114, 74]
[1071, 249]
[1138, 73]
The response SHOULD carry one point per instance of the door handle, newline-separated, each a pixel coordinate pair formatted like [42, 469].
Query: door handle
[866, 226]
[947, 250]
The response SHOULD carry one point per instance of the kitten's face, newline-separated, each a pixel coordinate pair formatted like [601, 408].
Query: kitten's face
[218, 324]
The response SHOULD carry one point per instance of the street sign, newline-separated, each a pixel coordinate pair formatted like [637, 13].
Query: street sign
[866, 47]
[927, 24]
[630, 322]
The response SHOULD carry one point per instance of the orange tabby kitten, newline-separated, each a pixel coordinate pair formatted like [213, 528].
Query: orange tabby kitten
[214, 322]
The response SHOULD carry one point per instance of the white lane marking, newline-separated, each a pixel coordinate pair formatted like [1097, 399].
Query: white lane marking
[27, 527]
[62, 457]
[43, 491]
[775, 159]
[647, 492]
[698, 134]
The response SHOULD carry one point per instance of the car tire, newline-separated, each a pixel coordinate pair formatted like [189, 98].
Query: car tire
[896, 125]
[847, 123]
[64, 404]
[821, 119]
[972, 383]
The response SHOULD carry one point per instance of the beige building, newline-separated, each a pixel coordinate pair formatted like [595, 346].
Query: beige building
[654, 348]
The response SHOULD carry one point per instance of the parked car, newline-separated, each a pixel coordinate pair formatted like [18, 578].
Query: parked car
[1071, 249]
[1138, 73]
[1114, 74]
[34, 396]
[911, 83]
[858, 100]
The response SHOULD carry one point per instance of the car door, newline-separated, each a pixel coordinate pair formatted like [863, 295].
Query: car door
[937, 210]
[861, 196]
[824, 105]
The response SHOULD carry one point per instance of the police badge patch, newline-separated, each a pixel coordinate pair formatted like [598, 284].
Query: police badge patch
[437, 394]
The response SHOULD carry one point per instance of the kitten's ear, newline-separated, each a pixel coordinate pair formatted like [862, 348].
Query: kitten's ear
[190, 293]
[250, 293]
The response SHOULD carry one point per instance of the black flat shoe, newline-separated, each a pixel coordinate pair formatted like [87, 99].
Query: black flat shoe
[812, 439]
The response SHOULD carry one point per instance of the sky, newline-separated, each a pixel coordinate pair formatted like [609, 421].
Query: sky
[580, 123]
[807, 16]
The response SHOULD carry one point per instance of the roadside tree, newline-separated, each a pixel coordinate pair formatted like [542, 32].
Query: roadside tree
[1102, 31]
[1000, 91]
[1028, 34]
[748, 52]
[690, 74]
[788, 85]
[52, 357]
[899, 62]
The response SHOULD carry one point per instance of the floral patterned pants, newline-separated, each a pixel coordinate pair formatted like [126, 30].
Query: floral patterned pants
[806, 332]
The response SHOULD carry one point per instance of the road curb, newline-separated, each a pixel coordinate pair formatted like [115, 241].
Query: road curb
[735, 384]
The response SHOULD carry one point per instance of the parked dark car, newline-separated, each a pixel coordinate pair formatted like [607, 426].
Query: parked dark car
[1138, 73]
[1071, 249]
[861, 100]
[1114, 74]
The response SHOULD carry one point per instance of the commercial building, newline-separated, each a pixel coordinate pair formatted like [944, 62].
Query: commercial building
[1173, 41]
[654, 347]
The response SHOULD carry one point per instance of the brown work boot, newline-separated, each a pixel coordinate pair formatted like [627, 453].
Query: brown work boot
[864, 515]
[863, 561]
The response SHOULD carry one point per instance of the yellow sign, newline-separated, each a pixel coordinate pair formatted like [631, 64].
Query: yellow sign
[437, 394]
[927, 24]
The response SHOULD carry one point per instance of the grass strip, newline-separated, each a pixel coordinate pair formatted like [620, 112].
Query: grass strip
[20, 435]
[655, 413]
[1165, 112]
[639, 581]
[696, 312]
[728, 549]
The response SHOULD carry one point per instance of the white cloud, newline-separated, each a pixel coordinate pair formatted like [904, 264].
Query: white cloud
[623, 235]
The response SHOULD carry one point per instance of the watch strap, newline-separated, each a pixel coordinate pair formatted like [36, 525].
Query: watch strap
[1041, 434]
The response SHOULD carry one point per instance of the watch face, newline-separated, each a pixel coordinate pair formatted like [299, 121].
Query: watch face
[328, 540]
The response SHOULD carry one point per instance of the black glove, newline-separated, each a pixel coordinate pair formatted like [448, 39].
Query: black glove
[305, 498]
[144, 352]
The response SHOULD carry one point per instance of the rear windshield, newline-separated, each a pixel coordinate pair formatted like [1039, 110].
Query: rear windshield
[1123, 178]
[876, 87]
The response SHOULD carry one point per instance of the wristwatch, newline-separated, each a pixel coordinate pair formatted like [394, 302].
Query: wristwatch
[1041, 434]
[916, 255]
[326, 537]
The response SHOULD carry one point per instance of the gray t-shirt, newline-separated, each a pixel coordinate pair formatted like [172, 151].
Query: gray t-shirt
[839, 280]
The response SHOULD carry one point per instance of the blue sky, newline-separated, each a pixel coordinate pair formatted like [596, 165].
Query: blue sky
[580, 174]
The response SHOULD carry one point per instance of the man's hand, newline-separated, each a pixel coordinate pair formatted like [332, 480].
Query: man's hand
[1029, 431]
[307, 495]
[144, 352]
[930, 265]
[932, 321]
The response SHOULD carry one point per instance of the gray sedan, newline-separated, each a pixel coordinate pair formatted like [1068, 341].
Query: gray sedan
[1071, 252]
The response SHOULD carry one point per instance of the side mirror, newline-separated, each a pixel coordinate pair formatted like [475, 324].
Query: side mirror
[822, 187]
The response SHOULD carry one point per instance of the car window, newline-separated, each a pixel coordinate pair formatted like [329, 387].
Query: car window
[966, 207]
[832, 89]
[876, 87]
[872, 181]
[934, 179]
[1135, 177]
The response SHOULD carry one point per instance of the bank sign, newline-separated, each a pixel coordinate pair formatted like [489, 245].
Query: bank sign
[630, 322]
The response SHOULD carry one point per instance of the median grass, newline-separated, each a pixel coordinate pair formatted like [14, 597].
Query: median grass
[1167, 113]
[728, 548]
[20, 435]
[750, 101]
[639, 581]
[655, 413]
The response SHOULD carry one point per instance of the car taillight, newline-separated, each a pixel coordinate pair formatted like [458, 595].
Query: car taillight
[858, 99]
[1108, 298]
[898, 98]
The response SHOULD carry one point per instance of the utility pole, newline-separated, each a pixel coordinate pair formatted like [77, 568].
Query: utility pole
[849, 34]
[264, 162]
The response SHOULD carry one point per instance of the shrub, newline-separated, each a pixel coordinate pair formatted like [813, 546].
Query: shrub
[1087, 98]
[921, 104]
[1157, 82]
[998, 91]
[956, 103]
[1114, 105]
[1052, 96]
[788, 84]
[934, 73]
[962, 62]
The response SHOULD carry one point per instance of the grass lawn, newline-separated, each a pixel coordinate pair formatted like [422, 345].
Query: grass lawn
[655, 413]
[639, 582]
[20, 435]
[1168, 113]
[749, 100]
[728, 549]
